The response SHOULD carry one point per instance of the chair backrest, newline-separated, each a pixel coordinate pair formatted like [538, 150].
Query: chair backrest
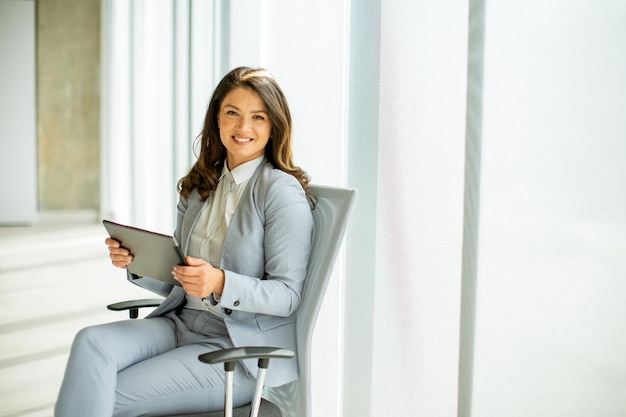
[330, 218]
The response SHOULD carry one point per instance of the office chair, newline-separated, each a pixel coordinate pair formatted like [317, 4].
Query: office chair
[330, 218]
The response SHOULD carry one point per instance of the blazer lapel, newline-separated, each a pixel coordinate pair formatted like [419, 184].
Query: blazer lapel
[191, 217]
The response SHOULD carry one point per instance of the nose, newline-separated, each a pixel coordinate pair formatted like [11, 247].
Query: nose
[243, 123]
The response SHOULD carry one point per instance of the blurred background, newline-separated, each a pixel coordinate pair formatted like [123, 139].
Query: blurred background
[484, 269]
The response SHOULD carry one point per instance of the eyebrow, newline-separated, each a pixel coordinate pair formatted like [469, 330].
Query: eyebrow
[238, 109]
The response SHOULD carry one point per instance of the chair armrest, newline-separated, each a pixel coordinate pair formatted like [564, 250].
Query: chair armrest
[230, 356]
[133, 306]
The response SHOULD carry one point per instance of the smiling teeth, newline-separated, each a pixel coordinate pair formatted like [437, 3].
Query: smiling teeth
[242, 140]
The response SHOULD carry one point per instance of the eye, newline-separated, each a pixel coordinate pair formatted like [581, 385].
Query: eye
[259, 117]
[231, 112]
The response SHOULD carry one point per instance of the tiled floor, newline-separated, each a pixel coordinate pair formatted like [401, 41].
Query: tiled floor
[55, 278]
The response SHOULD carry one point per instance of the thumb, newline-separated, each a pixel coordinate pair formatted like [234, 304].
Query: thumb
[194, 261]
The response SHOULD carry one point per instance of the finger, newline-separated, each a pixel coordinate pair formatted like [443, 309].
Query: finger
[121, 260]
[119, 251]
[186, 271]
[184, 274]
[112, 243]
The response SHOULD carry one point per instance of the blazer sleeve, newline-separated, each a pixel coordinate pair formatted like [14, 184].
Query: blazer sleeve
[285, 240]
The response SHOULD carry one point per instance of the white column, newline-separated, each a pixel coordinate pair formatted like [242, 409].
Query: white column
[159, 72]
[205, 61]
[153, 114]
[116, 139]
[183, 134]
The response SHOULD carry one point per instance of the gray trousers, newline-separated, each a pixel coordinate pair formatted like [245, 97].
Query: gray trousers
[149, 367]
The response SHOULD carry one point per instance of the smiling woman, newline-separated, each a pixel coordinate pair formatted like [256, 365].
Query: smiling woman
[246, 239]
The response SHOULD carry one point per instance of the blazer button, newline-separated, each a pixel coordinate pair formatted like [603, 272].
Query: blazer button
[237, 303]
[228, 311]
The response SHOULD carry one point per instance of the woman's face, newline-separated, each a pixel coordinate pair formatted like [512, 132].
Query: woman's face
[244, 125]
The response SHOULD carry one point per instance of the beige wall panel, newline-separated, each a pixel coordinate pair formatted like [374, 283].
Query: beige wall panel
[68, 103]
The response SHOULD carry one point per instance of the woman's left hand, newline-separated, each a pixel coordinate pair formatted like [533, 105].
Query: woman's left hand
[199, 278]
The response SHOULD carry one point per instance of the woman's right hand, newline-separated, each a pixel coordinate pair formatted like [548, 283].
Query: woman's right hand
[120, 256]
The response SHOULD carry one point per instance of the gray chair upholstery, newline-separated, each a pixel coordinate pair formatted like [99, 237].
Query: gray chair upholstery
[331, 214]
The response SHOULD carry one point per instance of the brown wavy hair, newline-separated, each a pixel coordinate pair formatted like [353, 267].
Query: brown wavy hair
[205, 173]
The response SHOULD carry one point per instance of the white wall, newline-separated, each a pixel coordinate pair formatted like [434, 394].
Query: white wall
[18, 145]
[552, 236]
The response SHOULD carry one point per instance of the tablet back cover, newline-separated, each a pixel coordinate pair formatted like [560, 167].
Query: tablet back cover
[154, 254]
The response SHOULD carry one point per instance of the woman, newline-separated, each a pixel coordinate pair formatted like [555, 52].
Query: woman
[244, 221]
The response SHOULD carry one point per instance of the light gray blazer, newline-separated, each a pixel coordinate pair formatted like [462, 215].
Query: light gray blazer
[265, 258]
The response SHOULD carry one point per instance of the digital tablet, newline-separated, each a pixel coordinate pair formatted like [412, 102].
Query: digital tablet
[154, 254]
